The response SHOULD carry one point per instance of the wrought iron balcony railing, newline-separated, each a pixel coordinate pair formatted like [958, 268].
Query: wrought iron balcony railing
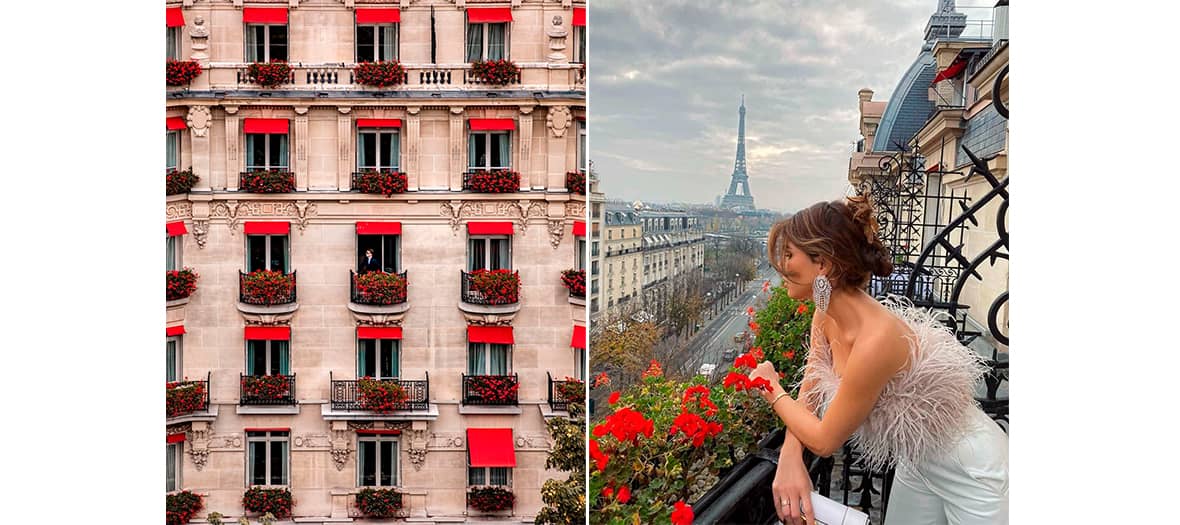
[267, 294]
[344, 395]
[386, 296]
[471, 294]
[263, 390]
[491, 180]
[339, 76]
[187, 397]
[491, 390]
[278, 180]
[561, 393]
[367, 181]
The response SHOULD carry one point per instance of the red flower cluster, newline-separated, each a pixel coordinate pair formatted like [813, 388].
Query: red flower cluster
[575, 281]
[380, 288]
[754, 327]
[181, 72]
[681, 514]
[601, 380]
[268, 287]
[490, 499]
[740, 381]
[274, 501]
[381, 396]
[177, 182]
[181, 283]
[575, 182]
[497, 286]
[493, 389]
[626, 424]
[572, 390]
[379, 74]
[184, 397]
[624, 494]
[379, 503]
[269, 74]
[500, 72]
[694, 427]
[268, 181]
[699, 393]
[653, 370]
[802, 309]
[613, 398]
[182, 506]
[596, 454]
[270, 387]
[381, 182]
[493, 181]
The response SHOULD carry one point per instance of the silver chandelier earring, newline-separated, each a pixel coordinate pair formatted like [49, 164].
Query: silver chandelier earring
[821, 292]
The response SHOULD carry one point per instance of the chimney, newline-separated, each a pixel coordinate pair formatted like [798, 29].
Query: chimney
[1000, 21]
[866, 95]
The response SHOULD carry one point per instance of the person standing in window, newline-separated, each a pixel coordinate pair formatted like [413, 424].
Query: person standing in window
[370, 264]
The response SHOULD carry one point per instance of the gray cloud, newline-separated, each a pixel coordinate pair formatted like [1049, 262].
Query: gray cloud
[666, 77]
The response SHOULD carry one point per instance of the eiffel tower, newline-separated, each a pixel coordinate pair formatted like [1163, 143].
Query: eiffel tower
[732, 200]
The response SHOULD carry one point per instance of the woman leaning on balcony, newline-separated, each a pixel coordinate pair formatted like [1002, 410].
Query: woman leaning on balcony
[890, 376]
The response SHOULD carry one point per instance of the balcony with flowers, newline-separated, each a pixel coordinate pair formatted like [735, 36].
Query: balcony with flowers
[266, 390]
[489, 296]
[490, 499]
[575, 282]
[491, 390]
[177, 182]
[267, 296]
[384, 181]
[562, 394]
[377, 297]
[380, 399]
[491, 181]
[266, 181]
[189, 401]
[181, 284]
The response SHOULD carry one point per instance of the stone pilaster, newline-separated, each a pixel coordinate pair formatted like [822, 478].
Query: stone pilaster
[233, 141]
[198, 121]
[344, 139]
[412, 139]
[527, 176]
[458, 149]
[559, 122]
[300, 148]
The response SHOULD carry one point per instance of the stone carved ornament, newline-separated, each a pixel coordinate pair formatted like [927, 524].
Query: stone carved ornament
[556, 232]
[200, 230]
[416, 449]
[301, 211]
[198, 120]
[534, 441]
[179, 210]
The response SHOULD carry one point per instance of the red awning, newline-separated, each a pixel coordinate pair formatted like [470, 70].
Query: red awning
[267, 228]
[378, 122]
[176, 438]
[486, 15]
[175, 228]
[491, 124]
[174, 17]
[267, 429]
[952, 70]
[379, 432]
[580, 16]
[490, 447]
[490, 334]
[489, 228]
[378, 332]
[272, 126]
[264, 15]
[174, 123]
[579, 339]
[174, 330]
[268, 333]
[378, 16]
[580, 228]
[933, 168]
[378, 228]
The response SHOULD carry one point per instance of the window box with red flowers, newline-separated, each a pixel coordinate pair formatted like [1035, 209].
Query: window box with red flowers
[379, 74]
[491, 181]
[490, 390]
[177, 182]
[493, 287]
[497, 72]
[490, 499]
[268, 390]
[380, 396]
[266, 287]
[379, 182]
[575, 182]
[181, 72]
[182, 506]
[379, 288]
[181, 283]
[269, 74]
[274, 501]
[267, 181]
[379, 503]
[186, 397]
[567, 392]
[575, 281]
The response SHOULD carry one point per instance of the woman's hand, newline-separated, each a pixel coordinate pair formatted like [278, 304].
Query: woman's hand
[792, 490]
[765, 370]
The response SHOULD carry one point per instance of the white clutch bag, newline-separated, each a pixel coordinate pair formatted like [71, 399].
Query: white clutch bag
[828, 512]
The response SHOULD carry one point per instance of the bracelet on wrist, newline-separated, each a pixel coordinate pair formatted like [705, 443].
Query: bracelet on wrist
[777, 398]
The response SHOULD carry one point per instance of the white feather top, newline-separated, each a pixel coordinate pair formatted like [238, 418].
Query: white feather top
[925, 408]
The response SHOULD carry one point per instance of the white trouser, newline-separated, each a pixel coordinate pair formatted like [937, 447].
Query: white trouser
[966, 486]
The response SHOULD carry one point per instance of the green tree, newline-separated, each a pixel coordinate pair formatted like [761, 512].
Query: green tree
[565, 500]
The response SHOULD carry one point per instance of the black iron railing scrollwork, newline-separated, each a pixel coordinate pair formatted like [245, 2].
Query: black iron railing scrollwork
[344, 393]
[491, 390]
[266, 390]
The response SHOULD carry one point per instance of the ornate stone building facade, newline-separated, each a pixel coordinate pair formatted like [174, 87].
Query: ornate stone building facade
[314, 187]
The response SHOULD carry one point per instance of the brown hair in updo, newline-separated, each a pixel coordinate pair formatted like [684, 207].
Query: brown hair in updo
[843, 232]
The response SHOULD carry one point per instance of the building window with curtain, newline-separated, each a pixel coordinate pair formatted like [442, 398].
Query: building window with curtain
[172, 151]
[579, 44]
[378, 358]
[386, 253]
[489, 252]
[267, 357]
[580, 363]
[489, 150]
[580, 249]
[377, 150]
[377, 461]
[172, 359]
[488, 359]
[172, 259]
[267, 252]
[175, 456]
[266, 151]
[266, 42]
[487, 41]
[266, 461]
[489, 476]
[376, 42]
[172, 40]
[582, 146]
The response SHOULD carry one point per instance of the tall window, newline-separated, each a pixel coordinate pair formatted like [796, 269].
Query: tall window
[377, 150]
[266, 151]
[172, 152]
[492, 252]
[498, 476]
[579, 44]
[582, 146]
[172, 259]
[266, 42]
[487, 359]
[386, 252]
[267, 252]
[172, 359]
[580, 246]
[267, 457]
[376, 43]
[172, 52]
[488, 150]
[265, 358]
[487, 41]
[378, 358]
[377, 461]
[175, 454]
[580, 363]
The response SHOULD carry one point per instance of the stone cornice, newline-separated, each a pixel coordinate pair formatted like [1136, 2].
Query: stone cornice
[944, 123]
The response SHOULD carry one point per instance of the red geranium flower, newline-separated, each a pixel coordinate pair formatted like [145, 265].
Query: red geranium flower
[614, 398]
[681, 514]
[600, 458]
[802, 309]
[624, 494]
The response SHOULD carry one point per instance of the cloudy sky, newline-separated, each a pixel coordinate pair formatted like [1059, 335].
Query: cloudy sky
[667, 77]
